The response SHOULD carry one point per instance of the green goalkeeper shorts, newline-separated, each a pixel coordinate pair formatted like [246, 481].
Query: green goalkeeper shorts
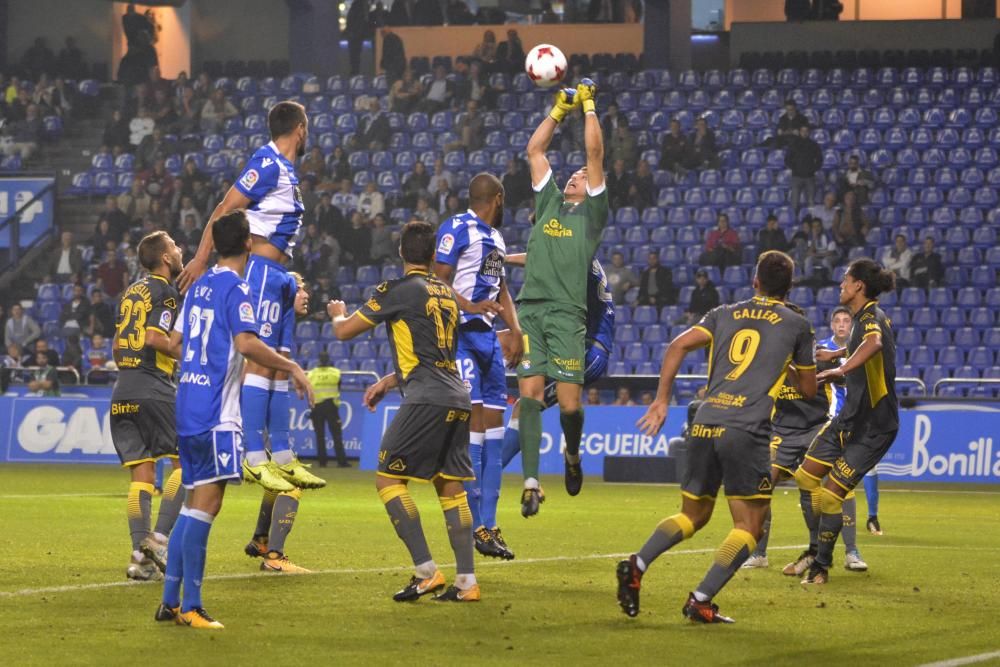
[554, 341]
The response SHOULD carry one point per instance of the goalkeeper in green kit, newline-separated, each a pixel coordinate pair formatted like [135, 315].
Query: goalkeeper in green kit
[552, 305]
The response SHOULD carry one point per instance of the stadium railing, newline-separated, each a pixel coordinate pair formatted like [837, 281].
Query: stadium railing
[23, 373]
[943, 382]
[13, 223]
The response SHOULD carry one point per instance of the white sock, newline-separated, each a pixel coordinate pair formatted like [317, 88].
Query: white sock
[464, 582]
[426, 570]
[640, 563]
[283, 458]
[513, 424]
[531, 483]
[701, 597]
[160, 537]
[256, 458]
[137, 555]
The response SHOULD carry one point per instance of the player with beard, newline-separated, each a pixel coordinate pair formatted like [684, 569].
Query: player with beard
[142, 401]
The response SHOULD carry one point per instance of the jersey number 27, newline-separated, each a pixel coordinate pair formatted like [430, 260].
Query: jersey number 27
[199, 328]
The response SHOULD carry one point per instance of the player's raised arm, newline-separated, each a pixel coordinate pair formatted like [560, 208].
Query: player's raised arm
[346, 328]
[593, 135]
[870, 346]
[233, 200]
[539, 143]
[517, 259]
[692, 339]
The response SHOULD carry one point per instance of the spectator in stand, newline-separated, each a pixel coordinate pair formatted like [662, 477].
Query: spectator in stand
[160, 184]
[314, 164]
[98, 355]
[188, 236]
[415, 184]
[41, 347]
[593, 393]
[622, 146]
[68, 260]
[428, 12]
[771, 237]
[439, 92]
[826, 212]
[656, 284]
[675, 149]
[38, 59]
[9, 360]
[102, 317]
[357, 241]
[424, 212]
[190, 175]
[799, 245]
[441, 178]
[378, 16]
[164, 109]
[459, 14]
[788, 126]
[384, 247]
[619, 181]
[510, 54]
[452, 207]
[329, 257]
[642, 191]
[188, 210]
[469, 129]
[722, 247]
[188, 111]
[486, 50]
[307, 251]
[112, 274]
[926, 268]
[309, 200]
[405, 93]
[850, 226]
[375, 131]
[104, 237]
[216, 111]
[70, 63]
[476, 87]
[393, 54]
[45, 380]
[158, 215]
[140, 127]
[371, 202]
[135, 203]
[117, 133]
[131, 260]
[856, 180]
[623, 397]
[72, 351]
[340, 168]
[24, 134]
[201, 197]
[346, 200]
[21, 329]
[804, 158]
[821, 253]
[358, 29]
[621, 278]
[322, 293]
[897, 259]
[329, 218]
[153, 148]
[702, 150]
[76, 309]
[704, 297]
[3, 323]
[116, 217]
[517, 184]
[611, 121]
[646, 397]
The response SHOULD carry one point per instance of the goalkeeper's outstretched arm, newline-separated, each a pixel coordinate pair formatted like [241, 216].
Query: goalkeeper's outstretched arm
[539, 143]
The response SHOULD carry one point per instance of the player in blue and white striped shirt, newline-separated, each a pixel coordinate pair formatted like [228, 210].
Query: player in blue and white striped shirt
[215, 331]
[268, 189]
[470, 256]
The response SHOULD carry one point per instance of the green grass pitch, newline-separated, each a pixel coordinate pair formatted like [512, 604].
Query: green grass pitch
[931, 594]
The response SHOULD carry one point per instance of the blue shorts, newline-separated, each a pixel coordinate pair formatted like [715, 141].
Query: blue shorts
[480, 365]
[596, 366]
[272, 291]
[212, 456]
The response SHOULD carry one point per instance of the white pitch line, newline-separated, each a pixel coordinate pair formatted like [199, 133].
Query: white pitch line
[968, 660]
[24, 592]
[39, 496]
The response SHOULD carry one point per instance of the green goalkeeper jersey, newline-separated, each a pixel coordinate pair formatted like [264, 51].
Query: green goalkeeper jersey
[562, 245]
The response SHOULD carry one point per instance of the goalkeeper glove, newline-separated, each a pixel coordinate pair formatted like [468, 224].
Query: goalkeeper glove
[566, 100]
[586, 91]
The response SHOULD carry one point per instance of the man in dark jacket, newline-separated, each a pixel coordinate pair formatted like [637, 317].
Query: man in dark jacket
[675, 148]
[926, 269]
[703, 299]
[376, 131]
[804, 158]
[771, 237]
[656, 284]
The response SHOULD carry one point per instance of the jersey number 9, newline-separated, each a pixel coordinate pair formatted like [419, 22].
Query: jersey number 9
[742, 350]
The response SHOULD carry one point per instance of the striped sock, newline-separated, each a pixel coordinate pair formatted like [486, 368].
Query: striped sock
[406, 520]
[670, 532]
[140, 504]
[170, 503]
[732, 553]
[458, 519]
[286, 506]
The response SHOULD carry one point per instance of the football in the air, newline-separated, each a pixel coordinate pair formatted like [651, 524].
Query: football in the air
[545, 65]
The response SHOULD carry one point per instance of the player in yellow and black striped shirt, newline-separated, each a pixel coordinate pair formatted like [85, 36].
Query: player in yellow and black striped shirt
[858, 438]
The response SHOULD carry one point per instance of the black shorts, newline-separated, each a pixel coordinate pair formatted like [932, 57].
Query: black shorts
[427, 441]
[723, 455]
[143, 430]
[849, 454]
[789, 446]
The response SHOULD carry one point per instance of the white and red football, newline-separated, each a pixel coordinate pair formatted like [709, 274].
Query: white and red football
[545, 65]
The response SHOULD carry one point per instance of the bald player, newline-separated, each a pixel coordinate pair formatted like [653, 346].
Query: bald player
[470, 257]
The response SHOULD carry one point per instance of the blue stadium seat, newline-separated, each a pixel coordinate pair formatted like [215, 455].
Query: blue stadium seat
[981, 357]
[909, 337]
[307, 330]
[644, 315]
[924, 318]
[920, 356]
